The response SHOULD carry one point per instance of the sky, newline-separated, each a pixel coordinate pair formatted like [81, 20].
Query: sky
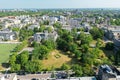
[59, 4]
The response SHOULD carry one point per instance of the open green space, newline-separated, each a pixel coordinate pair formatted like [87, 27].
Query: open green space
[5, 51]
[56, 59]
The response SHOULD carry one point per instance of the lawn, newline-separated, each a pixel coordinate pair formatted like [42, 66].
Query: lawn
[5, 51]
[56, 59]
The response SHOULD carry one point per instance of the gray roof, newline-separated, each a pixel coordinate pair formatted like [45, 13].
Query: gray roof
[79, 78]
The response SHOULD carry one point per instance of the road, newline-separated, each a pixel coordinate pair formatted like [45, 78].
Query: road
[29, 49]
[10, 42]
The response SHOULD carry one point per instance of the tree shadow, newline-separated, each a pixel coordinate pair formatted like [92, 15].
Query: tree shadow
[5, 65]
[108, 53]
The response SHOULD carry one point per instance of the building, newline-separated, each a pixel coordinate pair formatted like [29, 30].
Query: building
[34, 77]
[12, 76]
[79, 78]
[31, 27]
[45, 17]
[45, 35]
[108, 73]
[40, 36]
[86, 26]
[52, 20]
[67, 27]
[112, 32]
[74, 23]
[7, 35]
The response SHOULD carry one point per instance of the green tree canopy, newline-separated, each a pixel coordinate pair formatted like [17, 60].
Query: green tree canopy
[33, 66]
[97, 33]
[40, 52]
[78, 70]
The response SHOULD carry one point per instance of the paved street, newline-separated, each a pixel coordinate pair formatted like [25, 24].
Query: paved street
[10, 42]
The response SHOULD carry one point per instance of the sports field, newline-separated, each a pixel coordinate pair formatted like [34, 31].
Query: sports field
[5, 51]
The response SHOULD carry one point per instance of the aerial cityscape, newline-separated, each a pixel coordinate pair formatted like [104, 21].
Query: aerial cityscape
[60, 40]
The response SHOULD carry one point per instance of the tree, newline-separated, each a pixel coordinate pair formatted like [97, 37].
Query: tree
[33, 66]
[65, 67]
[20, 46]
[117, 58]
[36, 30]
[24, 56]
[77, 54]
[65, 35]
[42, 28]
[87, 71]
[69, 38]
[87, 58]
[25, 33]
[62, 44]
[85, 48]
[97, 33]
[57, 25]
[73, 47]
[46, 22]
[40, 52]
[78, 70]
[50, 44]
[15, 29]
[49, 29]
[15, 67]
[109, 46]
[84, 38]
[115, 22]
[12, 59]
[74, 33]
[1, 26]
[99, 43]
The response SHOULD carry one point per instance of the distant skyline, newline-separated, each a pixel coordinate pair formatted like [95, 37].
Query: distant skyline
[7, 4]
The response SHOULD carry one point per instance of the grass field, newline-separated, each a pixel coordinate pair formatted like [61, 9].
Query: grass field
[5, 51]
[56, 59]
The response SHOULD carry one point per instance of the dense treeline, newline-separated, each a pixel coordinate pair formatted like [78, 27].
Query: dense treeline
[22, 62]
[75, 45]
[31, 62]
[79, 47]
[115, 22]
[97, 33]
[18, 13]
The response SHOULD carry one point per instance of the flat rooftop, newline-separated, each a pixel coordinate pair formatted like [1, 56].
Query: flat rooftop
[80, 78]
[33, 76]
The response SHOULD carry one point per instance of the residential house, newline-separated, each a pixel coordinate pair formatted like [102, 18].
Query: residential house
[12, 76]
[62, 20]
[73, 23]
[112, 32]
[109, 34]
[7, 35]
[53, 35]
[86, 19]
[40, 36]
[45, 17]
[31, 27]
[67, 27]
[86, 26]
[107, 72]
[52, 20]
[45, 35]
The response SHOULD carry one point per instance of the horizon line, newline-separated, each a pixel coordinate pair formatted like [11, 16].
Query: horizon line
[68, 8]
